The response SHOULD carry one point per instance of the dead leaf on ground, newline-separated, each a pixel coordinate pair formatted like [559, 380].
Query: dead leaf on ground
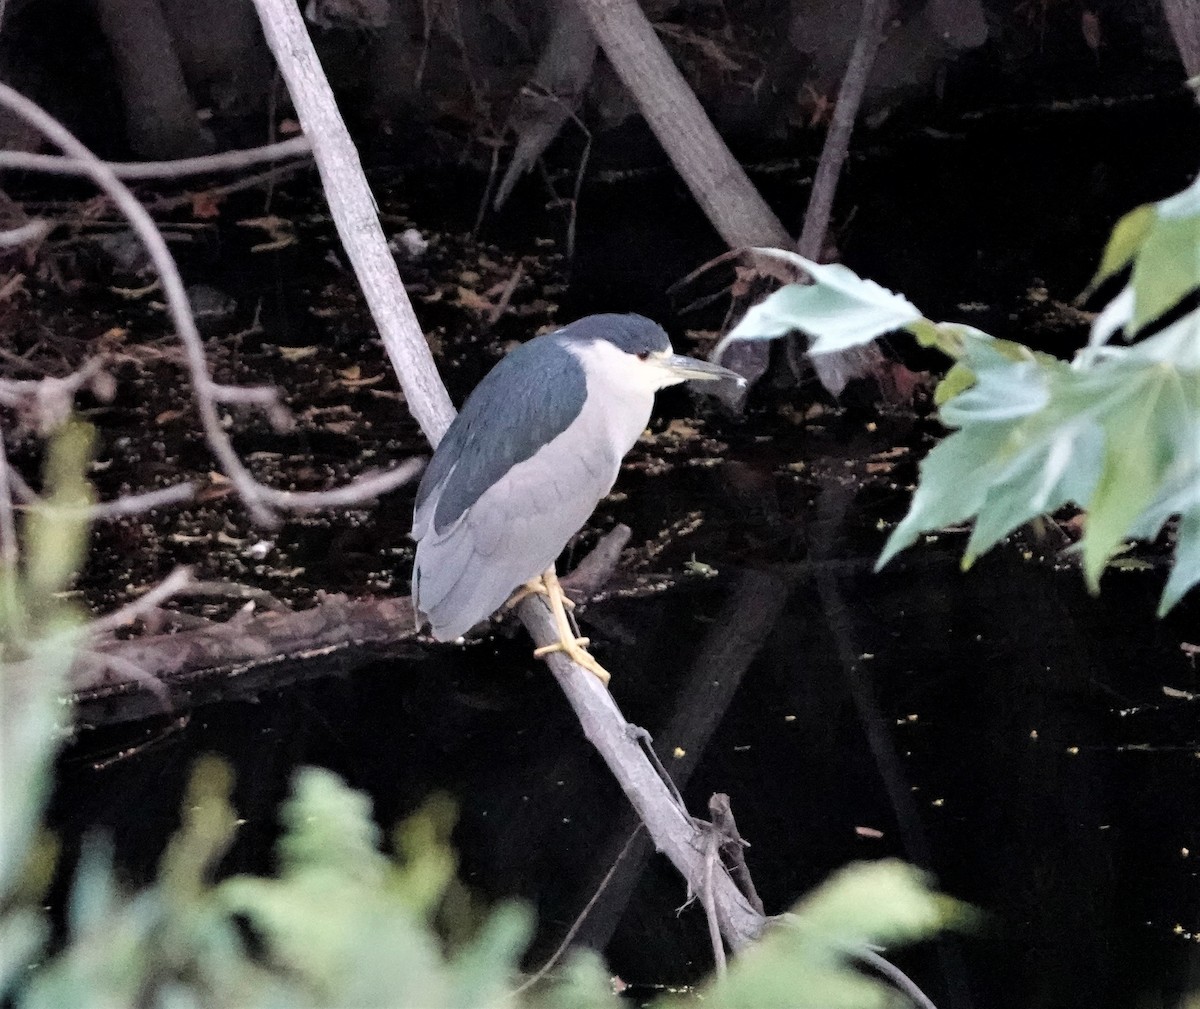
[296, 353]
[206, 205]
[468, 299]
[279, 230]
[135, 293]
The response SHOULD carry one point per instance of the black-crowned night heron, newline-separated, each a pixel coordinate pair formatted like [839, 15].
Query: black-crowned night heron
[537, 445]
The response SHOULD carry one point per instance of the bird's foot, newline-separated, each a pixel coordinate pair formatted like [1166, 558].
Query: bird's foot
[569, 642]
[534, 587]
[576, 650]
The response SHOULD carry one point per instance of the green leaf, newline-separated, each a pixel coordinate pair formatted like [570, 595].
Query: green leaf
[958, 379]
[209, 823]
[56, 532]
[1186, 571]
[838, 310]
[1136, 455]
[1167, 268]
[1124, 243]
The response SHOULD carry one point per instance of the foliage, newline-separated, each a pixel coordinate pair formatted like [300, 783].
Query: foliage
[1116, 431]
[37, 634]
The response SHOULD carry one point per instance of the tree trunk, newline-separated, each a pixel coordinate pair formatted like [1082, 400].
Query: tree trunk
[160, 118]
[717, 181]
[1183, 16]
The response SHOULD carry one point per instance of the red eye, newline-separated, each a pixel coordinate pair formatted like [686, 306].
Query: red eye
[644, 355]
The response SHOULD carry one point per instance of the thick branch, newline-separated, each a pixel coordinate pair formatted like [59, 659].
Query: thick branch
[1183, 17]
[240, 657]
[719, 184]
[356, 216]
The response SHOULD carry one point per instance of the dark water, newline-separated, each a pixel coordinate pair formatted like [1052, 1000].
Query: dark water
[1001, 728]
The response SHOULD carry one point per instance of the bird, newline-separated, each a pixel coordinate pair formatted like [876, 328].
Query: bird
[537, 445]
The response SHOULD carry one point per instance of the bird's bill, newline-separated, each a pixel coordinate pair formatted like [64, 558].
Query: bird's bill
[691, 369]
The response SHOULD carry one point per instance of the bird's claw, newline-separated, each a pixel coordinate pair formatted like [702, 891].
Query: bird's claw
[576, 650]
[534, 587]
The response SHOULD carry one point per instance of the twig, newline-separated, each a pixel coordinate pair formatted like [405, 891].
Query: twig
[232, 590]
[707, 901]
[227, 161]
[732, 847]
[105, 662]
[265, 397]
[48, 399]
[165, 203]
[898, 978]
[139, 504]
[150, 600]
[33, 231]
[173, 287]
[835, 370]
[363, 488]
[125, 505]
[573, 931]
[505, 298]
[590, 574]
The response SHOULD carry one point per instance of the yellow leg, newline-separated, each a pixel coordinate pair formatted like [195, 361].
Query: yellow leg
[567, 643]
[534, 587]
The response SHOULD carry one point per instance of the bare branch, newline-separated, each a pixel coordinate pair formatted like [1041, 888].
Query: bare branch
[565, 945]
[592, 573]
[234, 590]
[363, 488]
[173, 287]
[356, 217]
[265, 397]
[841, 126]
[102, 663]
[33, 231]
[48, 400]
[139, 504]
[227, 161]
[151, 600]
[125, 505]
[268, 177]
[835, 370]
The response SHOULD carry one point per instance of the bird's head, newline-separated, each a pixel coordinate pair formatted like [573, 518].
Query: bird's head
[636, 353]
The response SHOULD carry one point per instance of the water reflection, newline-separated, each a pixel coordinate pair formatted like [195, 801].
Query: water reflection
[970, 723]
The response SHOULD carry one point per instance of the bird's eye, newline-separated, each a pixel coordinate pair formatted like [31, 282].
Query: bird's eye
[643, 355]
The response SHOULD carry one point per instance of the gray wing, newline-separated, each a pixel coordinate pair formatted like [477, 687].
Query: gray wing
[510, 534]
[529, 398]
